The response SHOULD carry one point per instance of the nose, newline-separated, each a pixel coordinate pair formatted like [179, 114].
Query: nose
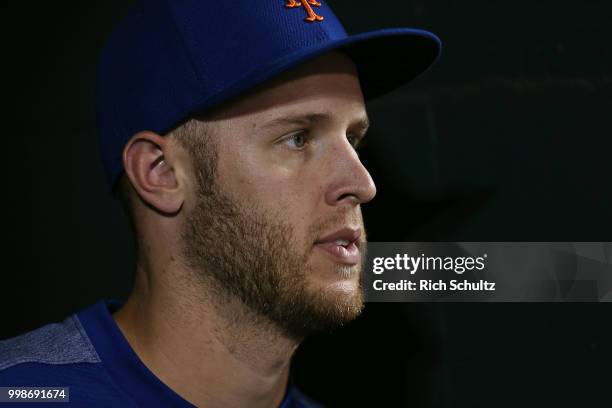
[350, 181]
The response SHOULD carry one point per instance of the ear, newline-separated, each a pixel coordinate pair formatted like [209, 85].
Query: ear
[146, 163]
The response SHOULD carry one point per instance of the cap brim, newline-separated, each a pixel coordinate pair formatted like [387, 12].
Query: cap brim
[387, 59]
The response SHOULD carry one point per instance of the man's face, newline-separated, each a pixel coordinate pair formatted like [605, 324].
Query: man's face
[279, 224]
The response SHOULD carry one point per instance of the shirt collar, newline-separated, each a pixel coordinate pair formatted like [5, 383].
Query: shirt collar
[128, 372]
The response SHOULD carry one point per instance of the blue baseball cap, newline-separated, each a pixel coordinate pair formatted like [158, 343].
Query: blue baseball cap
[168, 59]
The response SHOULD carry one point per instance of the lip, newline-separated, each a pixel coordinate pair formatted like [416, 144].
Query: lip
[347, 233]
[349, 254]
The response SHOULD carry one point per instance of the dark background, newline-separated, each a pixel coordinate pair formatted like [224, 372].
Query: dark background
[507, 138]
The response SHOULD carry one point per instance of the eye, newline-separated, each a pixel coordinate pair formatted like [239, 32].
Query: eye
[297, 140]
[353, 140]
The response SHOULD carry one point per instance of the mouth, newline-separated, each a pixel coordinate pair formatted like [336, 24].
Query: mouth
[342, 245]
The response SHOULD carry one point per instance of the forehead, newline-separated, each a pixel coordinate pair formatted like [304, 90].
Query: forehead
[328, 83]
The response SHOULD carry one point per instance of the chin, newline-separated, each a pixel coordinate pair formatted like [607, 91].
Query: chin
[343, 288]
[342, 295]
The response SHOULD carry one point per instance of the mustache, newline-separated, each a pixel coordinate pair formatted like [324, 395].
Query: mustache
[337, 220]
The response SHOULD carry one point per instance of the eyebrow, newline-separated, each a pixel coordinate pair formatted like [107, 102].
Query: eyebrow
[361, 124]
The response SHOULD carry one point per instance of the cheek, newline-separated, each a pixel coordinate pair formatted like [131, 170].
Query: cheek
[259, 177]
[278, 187]
[292, 193]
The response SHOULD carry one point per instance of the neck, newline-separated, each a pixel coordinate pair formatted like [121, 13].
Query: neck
[187, 335]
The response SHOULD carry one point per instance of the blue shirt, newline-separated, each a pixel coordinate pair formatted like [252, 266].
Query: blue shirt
[88, 353]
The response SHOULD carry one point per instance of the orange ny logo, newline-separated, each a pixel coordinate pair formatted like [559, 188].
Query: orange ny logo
[312, 16]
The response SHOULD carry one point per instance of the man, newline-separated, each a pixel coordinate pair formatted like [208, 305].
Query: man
[228, 130]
